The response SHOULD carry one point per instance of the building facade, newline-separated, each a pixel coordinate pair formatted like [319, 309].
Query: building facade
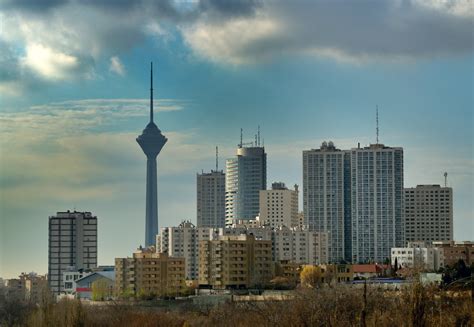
[300, 246]
[279, 206]
[211, 199]
[72, 243]
[246, 176]
[183, 242]
[377, 215]
[419, 257]
[326, 197]
[149, 273]
[451, 252]
[428, 213]
[235, 262]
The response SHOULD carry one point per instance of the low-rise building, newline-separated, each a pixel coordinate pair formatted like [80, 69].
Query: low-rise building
[235, 262]
[451, 252]
[149, 273]
[367, 271]
[416, 256]
[98, 286]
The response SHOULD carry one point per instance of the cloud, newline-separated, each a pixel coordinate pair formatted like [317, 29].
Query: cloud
[56, 40]
[116, 66]
[343, 31]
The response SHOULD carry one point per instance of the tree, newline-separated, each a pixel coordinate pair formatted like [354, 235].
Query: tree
[101, 290]
[311, 276]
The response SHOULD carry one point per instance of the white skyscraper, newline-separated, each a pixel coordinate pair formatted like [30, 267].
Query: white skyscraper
[376, 202]
[428, 213]
[72, 243]
[326, 197]
[279, 206]
[246, 175]
[211, 199]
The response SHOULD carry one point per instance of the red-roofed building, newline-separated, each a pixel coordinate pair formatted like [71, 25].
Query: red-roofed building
[370, 270]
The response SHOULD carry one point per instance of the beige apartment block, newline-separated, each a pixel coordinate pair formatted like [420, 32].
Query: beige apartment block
[451, 252]
[149, 273]
[279, 206]
[428, 213]
[235, 262]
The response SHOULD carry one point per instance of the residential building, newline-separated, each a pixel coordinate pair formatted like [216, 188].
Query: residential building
[428, 213]
[451, 252]
[183, 242]
[35, 287]
[28, 287]
[72, 243]
[149, 273]
[235, 262]
[279, 206]
[327, 197]
[246, 175]
[416, 256]
[376, 202]
[98, 286]
[300, 246]
[211, 199]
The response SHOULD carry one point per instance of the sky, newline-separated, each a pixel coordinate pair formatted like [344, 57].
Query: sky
[74, 90]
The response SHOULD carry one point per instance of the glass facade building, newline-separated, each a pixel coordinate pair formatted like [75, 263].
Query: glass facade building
[246, 175]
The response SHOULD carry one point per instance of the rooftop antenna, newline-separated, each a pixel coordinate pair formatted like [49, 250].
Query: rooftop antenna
[151, 93]
[258, 133]
[445, 179]
[256, 143]
[377, 122]
[217, 158]
[241, 137]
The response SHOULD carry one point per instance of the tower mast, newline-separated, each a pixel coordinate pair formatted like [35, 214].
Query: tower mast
[151, 93]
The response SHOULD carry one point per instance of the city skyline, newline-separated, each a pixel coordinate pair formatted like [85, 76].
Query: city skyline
[71, 108]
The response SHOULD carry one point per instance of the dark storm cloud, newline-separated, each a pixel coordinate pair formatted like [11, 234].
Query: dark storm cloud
[231, 7]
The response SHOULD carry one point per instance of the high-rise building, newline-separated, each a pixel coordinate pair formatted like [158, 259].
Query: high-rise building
[149, 273]
[151, 141]
[235, 262]
[72, 243]
[211, 199]
[246, 175]
[428, 213]
[279, 206]
[376, 202]
[326, 197]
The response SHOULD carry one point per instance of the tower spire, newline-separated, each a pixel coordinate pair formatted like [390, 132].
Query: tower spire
[151, 93]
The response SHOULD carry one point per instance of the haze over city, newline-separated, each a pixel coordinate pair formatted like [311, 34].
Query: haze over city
[74, 95]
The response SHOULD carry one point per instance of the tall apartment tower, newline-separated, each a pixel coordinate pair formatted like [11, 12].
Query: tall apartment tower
[72, 243]
[428, 213]
[327, 198]
[151, 141]
[376, 202]
[211, 199]
[246, 175]
[279, 206]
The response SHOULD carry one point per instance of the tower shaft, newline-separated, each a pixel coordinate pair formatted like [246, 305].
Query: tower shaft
[151, 224]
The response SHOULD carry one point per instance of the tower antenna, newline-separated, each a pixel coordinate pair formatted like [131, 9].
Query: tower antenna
[256, 143]
[258, 133]
[217, 158]
[377, 122]
[151, 93]
[445, 179]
